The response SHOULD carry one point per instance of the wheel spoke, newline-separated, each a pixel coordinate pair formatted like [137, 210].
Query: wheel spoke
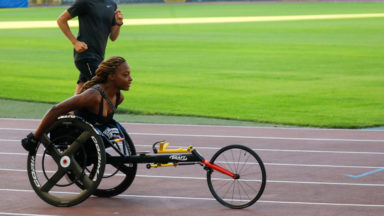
[243, 189]
[78, 171]
[250, 174]
[238, 162]
[221, 186]
[49, 146]
[252, 188]
[229, 188]
[78, 143]
[234, 187]
[245, 164]
[233, 159]
[53, 180]
[226, 161]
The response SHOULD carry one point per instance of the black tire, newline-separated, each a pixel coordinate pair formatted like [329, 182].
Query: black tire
[125, 175]
[242, 192]
[68, 147]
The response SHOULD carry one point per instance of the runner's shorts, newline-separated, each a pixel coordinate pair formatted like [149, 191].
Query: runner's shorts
[87, 68]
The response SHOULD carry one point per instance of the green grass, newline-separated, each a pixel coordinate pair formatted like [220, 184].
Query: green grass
[323, 73]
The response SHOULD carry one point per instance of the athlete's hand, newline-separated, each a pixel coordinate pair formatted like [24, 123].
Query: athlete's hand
[119, 16]
[29, 142]
[80, 46]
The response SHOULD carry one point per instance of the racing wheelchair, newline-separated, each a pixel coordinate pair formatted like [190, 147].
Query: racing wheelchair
[73, 159]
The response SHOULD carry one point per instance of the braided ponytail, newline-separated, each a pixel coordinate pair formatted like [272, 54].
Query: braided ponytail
[106, 68]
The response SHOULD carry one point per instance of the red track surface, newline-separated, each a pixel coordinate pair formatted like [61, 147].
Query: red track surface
[306, 171]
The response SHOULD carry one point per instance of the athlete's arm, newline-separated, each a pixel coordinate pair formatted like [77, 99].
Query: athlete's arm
[88, 99]
[62, 21]
[115, 30]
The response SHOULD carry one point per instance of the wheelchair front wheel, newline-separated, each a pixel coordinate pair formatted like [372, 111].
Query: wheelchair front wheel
[247, 189]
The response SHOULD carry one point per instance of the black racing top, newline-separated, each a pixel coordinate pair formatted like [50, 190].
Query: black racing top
[96, 17]
[99, 119]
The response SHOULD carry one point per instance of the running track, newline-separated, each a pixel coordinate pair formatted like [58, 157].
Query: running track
[306, 171]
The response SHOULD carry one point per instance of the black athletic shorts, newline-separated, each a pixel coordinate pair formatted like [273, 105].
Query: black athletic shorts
[87, 68]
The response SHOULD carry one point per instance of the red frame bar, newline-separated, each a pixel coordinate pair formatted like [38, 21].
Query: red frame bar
[220, 169]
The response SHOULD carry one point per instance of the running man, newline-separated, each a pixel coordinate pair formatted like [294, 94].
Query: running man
[98, 20]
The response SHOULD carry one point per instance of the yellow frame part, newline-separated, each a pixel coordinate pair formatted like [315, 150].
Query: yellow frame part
[163, 149]
[164, 165]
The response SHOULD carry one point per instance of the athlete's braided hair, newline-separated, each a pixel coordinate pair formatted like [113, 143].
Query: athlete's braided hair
[106, 67]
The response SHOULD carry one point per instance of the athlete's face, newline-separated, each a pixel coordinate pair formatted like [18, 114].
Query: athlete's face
[123, 77]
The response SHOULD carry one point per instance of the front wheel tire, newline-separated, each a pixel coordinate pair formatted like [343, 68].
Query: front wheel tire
[242, 192]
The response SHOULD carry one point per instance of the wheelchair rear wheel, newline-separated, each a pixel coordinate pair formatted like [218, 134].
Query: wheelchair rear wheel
[68, 148]
[118, 177]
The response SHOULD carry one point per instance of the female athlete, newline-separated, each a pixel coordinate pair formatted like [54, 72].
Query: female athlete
[96, 103]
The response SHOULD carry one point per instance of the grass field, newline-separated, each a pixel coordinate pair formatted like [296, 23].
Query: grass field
[324, 73]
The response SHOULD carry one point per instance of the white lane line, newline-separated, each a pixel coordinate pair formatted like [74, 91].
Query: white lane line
[21, 119]
[268, 164]
[259, 201]
[18, 129]
[11, 153]
[322, 166]
[275, 164]
[214, 126]
[250, 127]
[280, 150]
[255, 149]
[212, 199]
[268, 181]
[204, 179]
[217, 126]
[236, 137]
[257, 137]
[10, 140]
[321, 203]
[22, 214]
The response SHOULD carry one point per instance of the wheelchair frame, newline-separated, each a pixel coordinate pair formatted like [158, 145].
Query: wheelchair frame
[162, 157]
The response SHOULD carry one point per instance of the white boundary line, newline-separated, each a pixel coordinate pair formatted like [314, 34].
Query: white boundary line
[212, 199]
[218, 126]
[23, 214]
[195, 20]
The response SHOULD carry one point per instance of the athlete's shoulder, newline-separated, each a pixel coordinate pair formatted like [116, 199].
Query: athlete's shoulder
[91, 95]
